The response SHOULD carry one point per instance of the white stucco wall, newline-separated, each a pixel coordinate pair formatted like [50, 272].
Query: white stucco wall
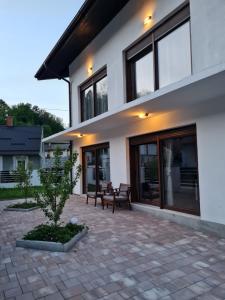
[208, 31]
[211, 158]
[207, 22]
[208, 44]
[107, 49]
[210, 123]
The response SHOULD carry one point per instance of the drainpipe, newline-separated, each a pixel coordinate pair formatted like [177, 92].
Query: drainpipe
[70, 112]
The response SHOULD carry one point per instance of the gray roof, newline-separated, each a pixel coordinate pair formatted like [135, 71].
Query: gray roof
[54, 146]
[20, 140]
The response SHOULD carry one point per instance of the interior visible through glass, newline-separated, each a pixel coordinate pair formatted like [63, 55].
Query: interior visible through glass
[90, 171]
[101, 96]
[144, 75]
[88, 103]
[97, 168]
[148, 174]
[103, 165]
[174, 56]
[180, 173]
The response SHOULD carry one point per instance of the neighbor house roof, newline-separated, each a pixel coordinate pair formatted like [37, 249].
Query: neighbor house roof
[20, 140]
[92, 17]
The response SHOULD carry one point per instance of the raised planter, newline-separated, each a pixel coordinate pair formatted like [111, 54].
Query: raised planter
[20, 209]
[52, 246]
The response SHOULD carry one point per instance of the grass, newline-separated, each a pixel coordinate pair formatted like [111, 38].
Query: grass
[15, 193]
[51, 233]
[24, 205]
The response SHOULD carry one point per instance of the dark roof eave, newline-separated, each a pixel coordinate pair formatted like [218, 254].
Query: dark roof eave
[84, 27]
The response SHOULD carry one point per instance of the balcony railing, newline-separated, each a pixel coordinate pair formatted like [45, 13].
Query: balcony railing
[7, 177]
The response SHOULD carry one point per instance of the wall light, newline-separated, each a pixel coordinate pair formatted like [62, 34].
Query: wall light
[80, 135]
[144, 115]
[90, 70]
[147, 20]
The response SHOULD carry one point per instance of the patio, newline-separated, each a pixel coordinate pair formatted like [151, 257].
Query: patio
[128, 255]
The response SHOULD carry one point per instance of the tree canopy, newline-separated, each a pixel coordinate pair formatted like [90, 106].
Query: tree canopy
[26, 114]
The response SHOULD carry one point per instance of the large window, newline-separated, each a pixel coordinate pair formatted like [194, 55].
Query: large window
[162, 57]
[164, 169]
[96, 167]
[174, 56]
[94, 96]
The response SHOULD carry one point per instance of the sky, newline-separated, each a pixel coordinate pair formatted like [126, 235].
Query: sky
[29, 29]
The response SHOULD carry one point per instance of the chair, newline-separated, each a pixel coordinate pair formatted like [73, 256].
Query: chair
[104, 188]
[118, 196]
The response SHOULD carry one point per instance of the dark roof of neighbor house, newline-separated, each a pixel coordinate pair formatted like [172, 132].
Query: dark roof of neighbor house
[20, 140]
[92, 17]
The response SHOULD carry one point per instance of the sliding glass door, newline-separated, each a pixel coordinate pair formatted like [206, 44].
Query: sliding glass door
[180, 173]
[148, 174]
[96, 167]
[164, 170]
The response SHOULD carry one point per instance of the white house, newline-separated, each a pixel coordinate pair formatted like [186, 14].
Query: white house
[147, 102]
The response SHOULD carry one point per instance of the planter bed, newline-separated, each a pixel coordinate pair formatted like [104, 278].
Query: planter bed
[51, 245]
[23, 207]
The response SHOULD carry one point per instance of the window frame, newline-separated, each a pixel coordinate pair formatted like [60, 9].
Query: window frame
[148, 42]
[94, 148]
[91, 81]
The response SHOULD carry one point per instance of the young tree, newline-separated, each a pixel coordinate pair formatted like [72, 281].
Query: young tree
[23, 177]
[57, 185]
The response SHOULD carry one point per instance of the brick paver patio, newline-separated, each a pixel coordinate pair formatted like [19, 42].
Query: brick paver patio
[128, 255]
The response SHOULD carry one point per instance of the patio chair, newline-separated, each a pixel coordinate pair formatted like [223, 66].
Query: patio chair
[118, 196]
[104, 188]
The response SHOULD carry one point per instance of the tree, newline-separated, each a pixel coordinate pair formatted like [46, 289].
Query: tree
[4, 108]
[26, 114]
[56, 186]
[23, 177]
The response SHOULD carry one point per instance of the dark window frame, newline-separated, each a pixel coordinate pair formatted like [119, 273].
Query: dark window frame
[91, 81]
[95, 149]
[158, 137]
[148, 42]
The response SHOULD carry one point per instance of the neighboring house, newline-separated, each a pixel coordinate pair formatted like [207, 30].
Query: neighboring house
[19, 145]
[147, 105]
[49, 149]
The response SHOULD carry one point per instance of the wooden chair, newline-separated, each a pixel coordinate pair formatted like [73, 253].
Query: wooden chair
[104, 188]
[118, 196]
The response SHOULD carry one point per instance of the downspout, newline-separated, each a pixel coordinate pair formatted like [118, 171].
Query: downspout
[70, 113]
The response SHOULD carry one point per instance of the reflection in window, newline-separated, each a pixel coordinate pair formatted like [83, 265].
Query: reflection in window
[181, 173]
[144, 75]
[94, 96]
[174, 56]
[88, 104]
[101, 96]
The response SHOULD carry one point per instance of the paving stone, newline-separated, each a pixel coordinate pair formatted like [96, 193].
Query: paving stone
[126, 255]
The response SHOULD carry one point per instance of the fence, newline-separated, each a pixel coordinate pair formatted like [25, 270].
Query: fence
[8, 179]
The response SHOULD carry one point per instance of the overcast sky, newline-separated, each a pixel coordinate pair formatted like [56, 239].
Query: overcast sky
[28, 31]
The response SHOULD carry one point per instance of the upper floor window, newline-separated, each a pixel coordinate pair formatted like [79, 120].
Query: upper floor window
[94, 96]
[162, 57]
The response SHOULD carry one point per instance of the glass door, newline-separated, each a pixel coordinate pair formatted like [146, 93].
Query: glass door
[148, 174]
[180, 173]
[96, 167]
[164, 169]
[90, 171]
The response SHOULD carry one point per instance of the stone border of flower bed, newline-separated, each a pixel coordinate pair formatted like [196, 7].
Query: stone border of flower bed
[20, 209]
[52, 246]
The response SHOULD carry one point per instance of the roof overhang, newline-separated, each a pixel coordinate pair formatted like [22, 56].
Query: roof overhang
[198, 89]
[92, 17]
